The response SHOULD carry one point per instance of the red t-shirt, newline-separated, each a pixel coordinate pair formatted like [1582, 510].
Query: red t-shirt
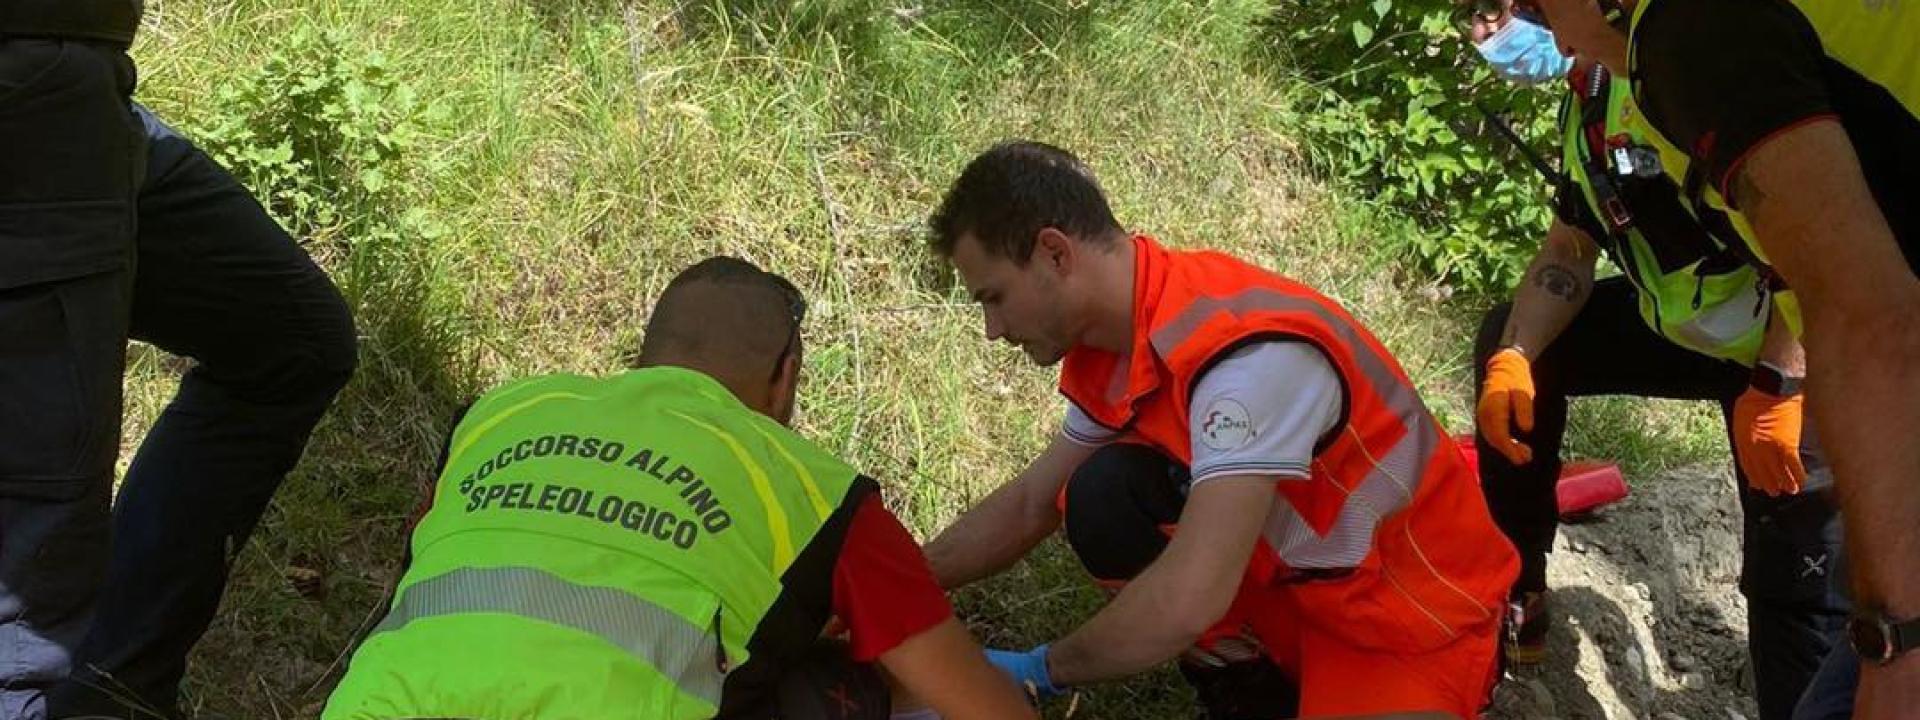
[882, 587]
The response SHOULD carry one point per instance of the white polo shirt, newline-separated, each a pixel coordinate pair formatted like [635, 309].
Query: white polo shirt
[1258, 411]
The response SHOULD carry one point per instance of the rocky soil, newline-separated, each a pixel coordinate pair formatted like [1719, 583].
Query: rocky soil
[1648, 622]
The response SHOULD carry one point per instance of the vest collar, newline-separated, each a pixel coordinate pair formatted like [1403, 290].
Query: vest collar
[687, 379]
[1127, 378]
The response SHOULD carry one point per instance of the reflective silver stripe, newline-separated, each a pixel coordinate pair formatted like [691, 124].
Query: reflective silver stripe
[683, 652]
[1716, 328]
[1388, 488]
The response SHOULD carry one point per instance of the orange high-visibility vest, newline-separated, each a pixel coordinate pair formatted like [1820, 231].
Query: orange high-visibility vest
[1389, 542]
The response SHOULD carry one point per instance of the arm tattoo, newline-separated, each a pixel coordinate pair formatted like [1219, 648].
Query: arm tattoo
[1747, 195]
[1558, 281]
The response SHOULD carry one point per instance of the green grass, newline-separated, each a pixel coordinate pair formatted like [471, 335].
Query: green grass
[578, 153]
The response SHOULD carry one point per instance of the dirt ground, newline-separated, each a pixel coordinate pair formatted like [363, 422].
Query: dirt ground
[1648, 622]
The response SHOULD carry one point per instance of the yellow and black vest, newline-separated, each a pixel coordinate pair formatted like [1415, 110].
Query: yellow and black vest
[1874, 76]
[641, 546]
[1695, 287]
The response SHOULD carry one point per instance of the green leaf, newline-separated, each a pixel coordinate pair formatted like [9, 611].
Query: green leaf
[1380, 8]
[1361, 34]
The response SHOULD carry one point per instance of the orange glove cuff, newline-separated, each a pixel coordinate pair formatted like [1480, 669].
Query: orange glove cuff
[1506, 401]
[1766, 433]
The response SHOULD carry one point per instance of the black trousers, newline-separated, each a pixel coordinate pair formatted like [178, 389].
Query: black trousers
[1790, 544]
[70, 164]
[104, 627]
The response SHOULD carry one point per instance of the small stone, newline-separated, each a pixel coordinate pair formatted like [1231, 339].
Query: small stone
[1576, 546]
[1693, 681]
[1643, 592]
[1636, 663]
[1733, 714]
[1682, 662]
[1668, 716]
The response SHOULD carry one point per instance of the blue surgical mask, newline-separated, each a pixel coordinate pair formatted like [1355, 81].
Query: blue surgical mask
[1524, 53]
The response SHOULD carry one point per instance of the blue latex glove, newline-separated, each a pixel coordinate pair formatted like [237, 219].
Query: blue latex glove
[1028, 669]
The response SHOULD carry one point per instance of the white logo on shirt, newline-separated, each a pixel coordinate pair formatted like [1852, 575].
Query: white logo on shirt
[1228, 425]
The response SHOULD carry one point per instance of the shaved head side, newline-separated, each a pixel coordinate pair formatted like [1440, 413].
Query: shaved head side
[727, 318]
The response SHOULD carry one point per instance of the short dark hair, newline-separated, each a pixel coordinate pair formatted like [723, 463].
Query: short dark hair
[1008, 194]
[730, 270]
[759, 308]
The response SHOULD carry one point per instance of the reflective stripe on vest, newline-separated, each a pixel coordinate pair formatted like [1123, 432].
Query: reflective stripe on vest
[1387, 488]
[783, 552]
[684, 653]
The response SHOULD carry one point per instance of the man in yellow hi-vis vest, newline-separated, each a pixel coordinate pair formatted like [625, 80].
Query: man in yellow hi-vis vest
[659, 545]
[1804, 116]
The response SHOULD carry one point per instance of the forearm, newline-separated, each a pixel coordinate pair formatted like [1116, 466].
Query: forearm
[1130, 635]
[1556, 286]
[1184, 592]
[1817, 220]
[1780, 349]
[992, 536]
[1867, 416]
[944, 669]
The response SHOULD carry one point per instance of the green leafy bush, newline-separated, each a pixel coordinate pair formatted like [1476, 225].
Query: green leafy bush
[1389, 108]
[321, 133]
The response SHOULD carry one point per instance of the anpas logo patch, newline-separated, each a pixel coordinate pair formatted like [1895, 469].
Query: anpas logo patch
[1228, 425]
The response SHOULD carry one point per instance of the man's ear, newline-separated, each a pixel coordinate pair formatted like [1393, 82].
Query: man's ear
[790, 369]
[784, 395]
[1055, 249]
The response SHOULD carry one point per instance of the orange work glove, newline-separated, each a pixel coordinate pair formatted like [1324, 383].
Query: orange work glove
[1766, 440]
[1507, 400]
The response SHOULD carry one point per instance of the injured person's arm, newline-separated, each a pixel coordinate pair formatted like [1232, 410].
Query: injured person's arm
[897, 616]
[944, 670]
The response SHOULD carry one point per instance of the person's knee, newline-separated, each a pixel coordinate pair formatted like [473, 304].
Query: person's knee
[337, 347]
[314, 356]
[1117, 501]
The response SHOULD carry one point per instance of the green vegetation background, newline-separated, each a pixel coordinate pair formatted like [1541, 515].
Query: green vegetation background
[501, 185]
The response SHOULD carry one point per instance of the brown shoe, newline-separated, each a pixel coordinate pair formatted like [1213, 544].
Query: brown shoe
[1526, 629]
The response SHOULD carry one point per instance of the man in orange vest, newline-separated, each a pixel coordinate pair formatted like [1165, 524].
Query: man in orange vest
[1243, 462]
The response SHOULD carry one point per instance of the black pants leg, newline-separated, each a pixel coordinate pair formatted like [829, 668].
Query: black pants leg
[273, 342]
[1117, 502]
[1789, 541]
[1606, 350]
[1795, 611]
[70, 156]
